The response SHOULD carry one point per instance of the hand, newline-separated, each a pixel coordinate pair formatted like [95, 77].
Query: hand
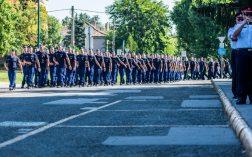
[144, 70]
[165, 70]
[73, 69]
[7, 68]
[133, 66]
[110, 71]
[66, 66]
[125, 66]
[104, 69]
[51, 63]
[70, 68]
[160, 70]
[29, 63]
[47, 68]
[101, 68]
[39, 69]
[154, 68]
[246, 20]
[21, 71]
[88, 69]
[57, 63]
[150, 68]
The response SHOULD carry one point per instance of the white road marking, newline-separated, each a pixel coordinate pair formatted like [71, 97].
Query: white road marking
[122, 91]
[23, 131]
[77, 101]
[141, 126]
[201, 103]
[21, 137]
[160, 110]
[21, 124]
[145, 97]
[89, 108]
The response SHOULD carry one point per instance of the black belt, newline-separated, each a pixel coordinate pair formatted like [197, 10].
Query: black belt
[248, 49]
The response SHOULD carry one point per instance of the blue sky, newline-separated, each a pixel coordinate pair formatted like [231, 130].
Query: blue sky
[93, 5]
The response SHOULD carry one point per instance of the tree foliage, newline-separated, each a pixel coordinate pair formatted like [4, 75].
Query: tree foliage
[9, 21]
[145, 20]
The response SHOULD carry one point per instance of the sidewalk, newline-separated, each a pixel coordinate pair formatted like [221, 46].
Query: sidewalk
[245, 110]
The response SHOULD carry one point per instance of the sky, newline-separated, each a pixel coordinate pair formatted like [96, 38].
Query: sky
[92, 5]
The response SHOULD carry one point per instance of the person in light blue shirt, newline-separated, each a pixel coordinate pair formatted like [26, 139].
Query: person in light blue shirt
[243, 33]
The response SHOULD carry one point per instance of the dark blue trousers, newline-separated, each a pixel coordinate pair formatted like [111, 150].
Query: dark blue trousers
[25, 75]
[122, 71]
[37, 75]
[53, 75]
[12, 77]
[60, 74]
[82, 74]
[30, 72]
[201, 72]
[210, 73]
[156, 74]
[91, 75]
[42, 77]
[70, 76]
[128, 75]
[134, 75]
[97, 75]
[192, 73]
[168, 74]
[107, 75]
[113, 74]
[139, 76]
[186, 74]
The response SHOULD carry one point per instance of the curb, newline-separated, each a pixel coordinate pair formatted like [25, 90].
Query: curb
[241, 128]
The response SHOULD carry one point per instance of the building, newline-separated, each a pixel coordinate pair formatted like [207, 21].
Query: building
[97, 38]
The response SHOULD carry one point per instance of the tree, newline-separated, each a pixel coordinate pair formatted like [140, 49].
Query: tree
[131, 44]
[52, 37]
[9, 21]
[145, 20]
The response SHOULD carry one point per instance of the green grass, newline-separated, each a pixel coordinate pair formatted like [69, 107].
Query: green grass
[4, 76]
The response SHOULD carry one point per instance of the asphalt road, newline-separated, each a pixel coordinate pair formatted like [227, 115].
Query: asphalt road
[142, 120]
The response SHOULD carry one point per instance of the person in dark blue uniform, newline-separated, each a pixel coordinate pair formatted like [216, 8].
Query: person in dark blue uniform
[227, 69]
[243, 33]
[145, 64]
[201, 68]
[70, 72]
[44, 65]
[92, 61]
[136, 67]
[149, 68]
[168, 76]
[192, 67]
[22, 58]
[36, 80]
[122, 68]
[76, 74]
[152, 70]
[216, 68]
[205, 68]
[30, 60]
[82, 63]
[129, 69]
[12, 61]
[158, 66]
[52, 67]
[161, 74]
[223, 68]
[59, 59]
[197, 74]
[186, 68]
[210, 69]
[47, 71]
[115, 61]
[108, 68]
[141, 70]
[97, 69]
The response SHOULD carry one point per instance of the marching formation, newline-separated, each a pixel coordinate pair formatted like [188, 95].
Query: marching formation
[69, 68]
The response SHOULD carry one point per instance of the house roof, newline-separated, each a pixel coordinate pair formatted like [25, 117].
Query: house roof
[96, 32]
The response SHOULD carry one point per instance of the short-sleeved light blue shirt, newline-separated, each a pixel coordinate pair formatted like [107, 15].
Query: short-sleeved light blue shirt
[244, 39]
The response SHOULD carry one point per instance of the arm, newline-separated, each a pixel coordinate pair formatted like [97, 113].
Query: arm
[6, 66]
[38, 65]
[97, 63]
[68, 62]
[121, 62]
[238, 31]
[21, 70]
[54, 59]
[74, 65]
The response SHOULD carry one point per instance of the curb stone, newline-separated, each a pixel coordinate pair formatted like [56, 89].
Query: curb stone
[239, 125]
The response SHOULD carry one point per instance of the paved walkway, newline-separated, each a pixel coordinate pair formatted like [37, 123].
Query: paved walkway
[245, 110]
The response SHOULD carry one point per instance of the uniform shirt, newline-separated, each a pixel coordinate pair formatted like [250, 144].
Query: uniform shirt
[210, 65]
[91, 60]
[124, 60]
[12, 62]
[168, 63]
[61, 57]
[141, 61]
[82, 59]
[42, 57]
[164, 61]
[201, 64]
[51, 58]
[192, 64]
[146, 61]
[72, 58]
[216, 65]
[22, 57]
[150, 61]
[233, 43]
[31, 58]
[186, 63]
[157, 62]
[107, 61]
[244, 39]
[131, 60]
[114, 61]
[100, 60]
[136, 62]
[227, 65]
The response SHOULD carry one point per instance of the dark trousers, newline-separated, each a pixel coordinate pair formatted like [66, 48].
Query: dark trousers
[244, 75]
[70, 79]
[148, 74]
[168, 75]
[122, 71]
[234, 60]
[82, 74]
[201, 73]
[161, 76]
[143, 76]
[97, 75]
[128, 75]
[42, 77]
[30, 72]
[210, 73]
[134, 75]
[12, 77]
[152, 75]
[192, 73]
[216, 72]
[91, 75]
[107, 75]
[139, 76]
[113, 74]
[186, 74]
[25, 75]
[156, 74]
[53, 75]
[60, 74]
[37, 74]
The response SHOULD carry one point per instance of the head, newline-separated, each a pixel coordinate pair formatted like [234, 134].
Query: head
[186, 59]
[216, 60]
[47, 50]
[60, 48]
[138, 56]
[192, 59]
[247, 12]
[165, 56]
[41, 47]
[106, 54]
[201, 58]
[90, 52]
[113, 53]
[238, 17]
[13, 52]
[30, 49]
[25, 49]
[198, 59]
[227, 60]
[77, 53]
[148, 55]
[168, 57]
[82, 51]
[152, 56]
[133, 54]
[210, 59]
[52, 50]
[36, 49]
[69, 49]
[122, 54]
[129, 56]
[73, 51]
[143, 55]
[204, 59]
[97, 52]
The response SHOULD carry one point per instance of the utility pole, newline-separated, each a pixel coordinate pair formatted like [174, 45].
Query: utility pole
[72, 31]
[237, 10]
[38, 23]
[113, 47]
